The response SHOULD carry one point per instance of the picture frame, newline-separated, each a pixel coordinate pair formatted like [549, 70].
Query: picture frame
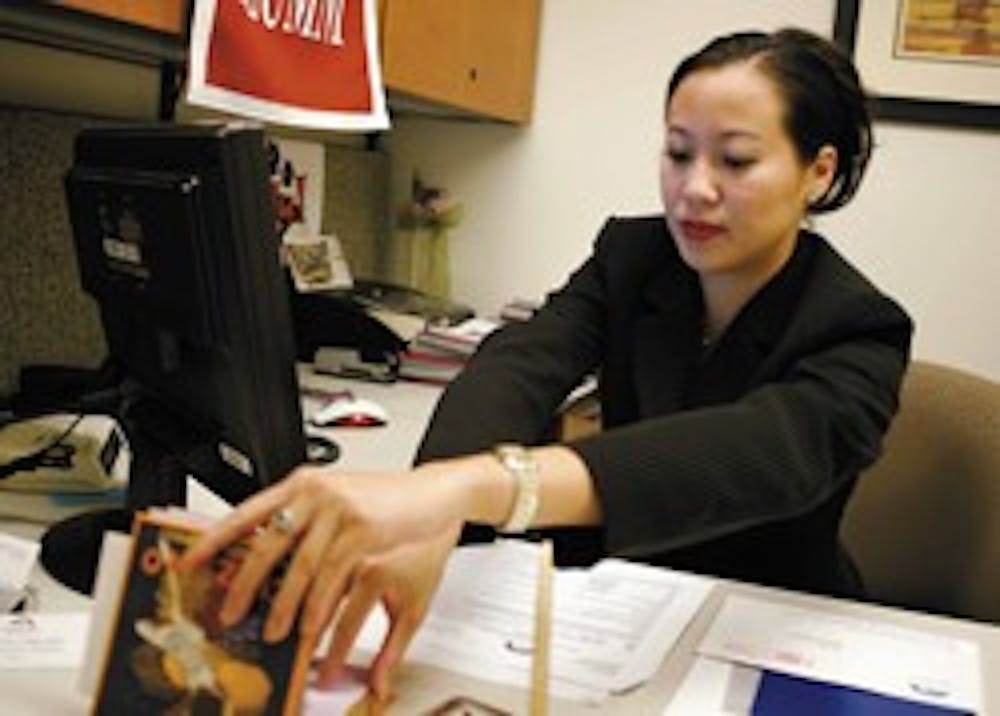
[931, 89]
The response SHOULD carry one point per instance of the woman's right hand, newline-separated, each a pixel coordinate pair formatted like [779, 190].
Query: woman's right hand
[404, 580]
[334, 522]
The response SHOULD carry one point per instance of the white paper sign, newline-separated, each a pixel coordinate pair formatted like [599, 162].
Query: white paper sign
[846, 650]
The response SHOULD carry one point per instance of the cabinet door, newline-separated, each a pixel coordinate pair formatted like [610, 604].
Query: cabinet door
[476, 55]
[161, 15]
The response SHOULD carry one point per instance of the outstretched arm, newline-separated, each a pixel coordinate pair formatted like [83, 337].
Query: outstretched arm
[357, 539]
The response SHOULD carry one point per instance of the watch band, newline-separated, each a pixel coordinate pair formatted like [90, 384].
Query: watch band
[519, 463]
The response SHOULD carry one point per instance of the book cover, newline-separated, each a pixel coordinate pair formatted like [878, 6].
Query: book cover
[168, 653]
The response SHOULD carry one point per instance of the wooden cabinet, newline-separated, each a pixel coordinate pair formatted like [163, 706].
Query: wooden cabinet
[477, 56]
[167, 16]
[98, 57]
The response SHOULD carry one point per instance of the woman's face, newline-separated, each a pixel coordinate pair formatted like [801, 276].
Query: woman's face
[733, 186]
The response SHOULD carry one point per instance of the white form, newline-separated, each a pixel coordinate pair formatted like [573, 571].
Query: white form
[42, 641]
[612, 624]
[846, 650]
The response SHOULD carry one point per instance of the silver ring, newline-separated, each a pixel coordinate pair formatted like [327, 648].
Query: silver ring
[283, 520]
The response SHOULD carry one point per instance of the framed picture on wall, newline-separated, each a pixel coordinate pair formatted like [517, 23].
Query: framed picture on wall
[935, 61]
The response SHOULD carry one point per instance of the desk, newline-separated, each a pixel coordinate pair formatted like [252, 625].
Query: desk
[420, 687]
[388, 447]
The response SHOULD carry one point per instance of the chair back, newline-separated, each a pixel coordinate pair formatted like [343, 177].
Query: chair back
[923, 523]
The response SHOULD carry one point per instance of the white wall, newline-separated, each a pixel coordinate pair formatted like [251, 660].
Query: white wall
[536, 196]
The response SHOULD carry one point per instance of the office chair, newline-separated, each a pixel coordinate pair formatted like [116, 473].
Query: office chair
[923, 523]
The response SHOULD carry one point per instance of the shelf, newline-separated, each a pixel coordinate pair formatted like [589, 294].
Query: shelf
[68, 29]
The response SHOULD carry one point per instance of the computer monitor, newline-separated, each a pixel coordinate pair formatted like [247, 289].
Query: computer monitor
[175, 236]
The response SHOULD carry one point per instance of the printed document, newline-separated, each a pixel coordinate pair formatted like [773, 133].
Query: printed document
[612, 624]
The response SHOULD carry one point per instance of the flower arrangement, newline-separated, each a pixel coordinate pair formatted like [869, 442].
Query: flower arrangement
[428, 208]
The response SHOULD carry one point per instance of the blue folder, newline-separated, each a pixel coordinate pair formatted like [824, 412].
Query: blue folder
[783, 695]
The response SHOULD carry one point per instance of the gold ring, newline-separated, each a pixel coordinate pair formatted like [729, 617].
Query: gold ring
[283, 520]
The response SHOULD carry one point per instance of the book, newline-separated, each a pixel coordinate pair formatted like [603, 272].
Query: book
[168, 653]
[461, 339]
[429, 367]
[519, 309]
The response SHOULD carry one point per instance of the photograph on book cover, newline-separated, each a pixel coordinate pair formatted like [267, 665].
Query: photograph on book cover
[929, 61]
[170, 655]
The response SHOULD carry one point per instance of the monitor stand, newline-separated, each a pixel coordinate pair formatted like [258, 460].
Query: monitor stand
[71, 548]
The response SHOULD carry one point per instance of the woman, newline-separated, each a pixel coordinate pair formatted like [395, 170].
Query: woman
[747, 375]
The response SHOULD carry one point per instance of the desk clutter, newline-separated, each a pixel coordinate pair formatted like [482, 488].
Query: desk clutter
[438, 353]
[381, 332]
[612, 627]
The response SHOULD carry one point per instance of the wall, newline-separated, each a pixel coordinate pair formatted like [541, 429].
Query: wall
[923, 226]
[44, 315]
[46, 96]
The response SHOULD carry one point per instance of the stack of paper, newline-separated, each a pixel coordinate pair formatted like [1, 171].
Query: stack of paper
[438, 353]
[519, 309]
[612, 624]
[766, 658]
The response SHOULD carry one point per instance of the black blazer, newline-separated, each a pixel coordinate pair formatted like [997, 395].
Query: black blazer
[734, 460]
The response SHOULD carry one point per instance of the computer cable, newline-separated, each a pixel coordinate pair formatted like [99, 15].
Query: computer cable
[56, 454]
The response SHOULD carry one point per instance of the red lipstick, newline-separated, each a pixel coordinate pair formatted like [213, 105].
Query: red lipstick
[700, 230]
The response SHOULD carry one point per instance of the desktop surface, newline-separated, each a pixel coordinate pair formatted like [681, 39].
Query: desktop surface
[421, 688]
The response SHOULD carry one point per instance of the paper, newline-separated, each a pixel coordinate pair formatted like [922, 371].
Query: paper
[42, 641]
[17, 558]
[612, 624]
[202, 501]
[851, 651]
[715, 688]
[347, 693]
[112, 566]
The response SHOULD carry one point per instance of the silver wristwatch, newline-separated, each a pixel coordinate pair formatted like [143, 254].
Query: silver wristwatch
[519, 463]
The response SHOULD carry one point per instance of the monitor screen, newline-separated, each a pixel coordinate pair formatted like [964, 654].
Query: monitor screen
[175, 237]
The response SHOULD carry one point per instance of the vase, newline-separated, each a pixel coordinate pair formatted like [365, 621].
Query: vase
[423, 260]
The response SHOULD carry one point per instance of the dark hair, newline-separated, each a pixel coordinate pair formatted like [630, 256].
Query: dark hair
[824, 100]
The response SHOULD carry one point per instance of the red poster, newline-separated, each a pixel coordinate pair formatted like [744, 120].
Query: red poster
[310, 63]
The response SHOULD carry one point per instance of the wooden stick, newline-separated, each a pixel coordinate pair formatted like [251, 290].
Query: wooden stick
[539, 703]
